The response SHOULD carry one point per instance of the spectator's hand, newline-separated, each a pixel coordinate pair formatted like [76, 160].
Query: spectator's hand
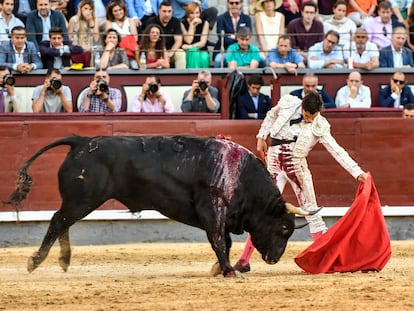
[293, 6]
[261, 147]
[395, 88]
[109, 47]
[196, 21]
[353, 91]
[291, 68]
[93, 86]
[9, 89]
[194, 86]
[24, 68]
[137, 22]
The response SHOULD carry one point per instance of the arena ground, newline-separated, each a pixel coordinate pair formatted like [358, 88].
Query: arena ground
[175, 276]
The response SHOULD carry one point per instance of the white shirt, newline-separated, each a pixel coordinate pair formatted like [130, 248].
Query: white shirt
[397, 56]
[361, 100]
[371, 50]
[6, 28]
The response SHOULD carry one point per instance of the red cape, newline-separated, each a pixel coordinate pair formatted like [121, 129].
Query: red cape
[359, 241]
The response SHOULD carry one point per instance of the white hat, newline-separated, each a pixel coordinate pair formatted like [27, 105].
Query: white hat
[259, 4]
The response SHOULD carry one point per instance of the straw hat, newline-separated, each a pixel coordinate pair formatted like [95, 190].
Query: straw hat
[259, 3]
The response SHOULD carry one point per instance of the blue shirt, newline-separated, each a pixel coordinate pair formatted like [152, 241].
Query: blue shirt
[317, 51]
[293, 56]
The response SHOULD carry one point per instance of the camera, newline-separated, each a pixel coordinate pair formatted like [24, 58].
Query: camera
[55, 84]
[102, 86]
[202, 85]
[153, 88]
[8, 80]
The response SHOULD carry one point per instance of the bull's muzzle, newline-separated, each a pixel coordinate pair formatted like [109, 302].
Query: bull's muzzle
[290, 208]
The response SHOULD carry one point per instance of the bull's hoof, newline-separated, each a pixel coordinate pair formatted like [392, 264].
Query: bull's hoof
[63, 264]
[31, 264]
[215, 269]
[233, 274]
[242, 268]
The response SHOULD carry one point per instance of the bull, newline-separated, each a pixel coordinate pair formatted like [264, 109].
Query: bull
[212, 184]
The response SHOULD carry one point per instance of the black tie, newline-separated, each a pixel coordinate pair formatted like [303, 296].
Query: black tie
[294, 121]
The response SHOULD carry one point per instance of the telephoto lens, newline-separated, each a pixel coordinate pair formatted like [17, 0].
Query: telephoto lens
[202, 84]
[55, 83]
[9, 80]
[103, 86]
[153, 88]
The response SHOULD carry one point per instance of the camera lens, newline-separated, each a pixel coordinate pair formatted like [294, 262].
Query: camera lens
[55, 83]
[102, 86]
[153, 88]
[9, 80]
[202, 84]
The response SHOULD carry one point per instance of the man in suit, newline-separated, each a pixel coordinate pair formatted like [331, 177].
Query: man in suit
[44, 15]
[19, 54]
[56, 53]
[398, 93]
[310, 84]
[22, 8]
[253, 104]
[229, 23]
[397, 55]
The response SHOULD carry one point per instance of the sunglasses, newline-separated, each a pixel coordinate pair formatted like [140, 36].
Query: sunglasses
[396, 81]
[384, 30]
[234, 3]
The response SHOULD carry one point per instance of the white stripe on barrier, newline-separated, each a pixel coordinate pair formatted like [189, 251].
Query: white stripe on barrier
[388, 211]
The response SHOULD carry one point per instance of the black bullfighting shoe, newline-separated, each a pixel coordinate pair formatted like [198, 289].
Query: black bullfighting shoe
[242, 268]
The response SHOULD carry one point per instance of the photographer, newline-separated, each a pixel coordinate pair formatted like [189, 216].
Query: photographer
[52, 96]
[202, 97]
[8, 100]
[99, 96]
[152, 99]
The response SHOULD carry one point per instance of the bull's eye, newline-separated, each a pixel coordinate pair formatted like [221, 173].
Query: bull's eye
[285, 229]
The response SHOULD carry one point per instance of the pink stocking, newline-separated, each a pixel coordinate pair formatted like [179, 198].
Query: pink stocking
[247, 252]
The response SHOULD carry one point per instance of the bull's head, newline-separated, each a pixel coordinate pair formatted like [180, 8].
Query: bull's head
[271, 237]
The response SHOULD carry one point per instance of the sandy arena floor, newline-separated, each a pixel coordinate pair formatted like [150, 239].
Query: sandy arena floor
[172, 276]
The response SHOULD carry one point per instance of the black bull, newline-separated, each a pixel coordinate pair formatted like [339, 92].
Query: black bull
[212, 184]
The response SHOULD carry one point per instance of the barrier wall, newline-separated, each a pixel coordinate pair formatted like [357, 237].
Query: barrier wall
[382, 146]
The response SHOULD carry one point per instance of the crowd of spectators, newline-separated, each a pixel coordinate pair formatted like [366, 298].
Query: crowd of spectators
[281, 34]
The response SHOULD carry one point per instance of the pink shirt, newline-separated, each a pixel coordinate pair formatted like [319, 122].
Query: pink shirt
[147, 106]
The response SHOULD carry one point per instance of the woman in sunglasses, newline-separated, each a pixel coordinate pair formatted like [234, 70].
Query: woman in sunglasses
[398, 93]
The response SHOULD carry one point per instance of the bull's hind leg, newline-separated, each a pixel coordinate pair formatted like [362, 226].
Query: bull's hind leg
[65, 251]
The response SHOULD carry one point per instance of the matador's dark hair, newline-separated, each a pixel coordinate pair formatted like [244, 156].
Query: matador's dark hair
[312, 102]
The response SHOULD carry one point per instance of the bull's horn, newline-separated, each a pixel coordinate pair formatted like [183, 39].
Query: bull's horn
[290, 208]
[301, 226]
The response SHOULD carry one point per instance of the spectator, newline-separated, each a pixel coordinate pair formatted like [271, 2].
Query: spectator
[397, 55]
[52, 96]
[9, 102]
[208, 14]
[99, 96]
[291, 9]
[400, 9]
[269, 24]
[410, 27]
[243, 54]
[56, 53]
[253, 104]
[152, 98]
[354, 94]
[7, 20]
[361, 11]
[398, 93]
[83, 30]
[41, 20]
[408, 111]
[113, 57]
[22, 8]
[202, 97]
[310, 84]
[326, 54]
[153, 45]
[325, 8]
[380, 28]
[100, 10]
[228, 24]
[343, 25]
[19, 54]
[195, 32]
[362, 53]
[285, 57]
[307, 30]
[171, 28]
[142, 11]
[116, 18]
[60, 5]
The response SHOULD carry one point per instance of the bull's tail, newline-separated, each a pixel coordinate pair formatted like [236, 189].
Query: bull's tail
[24, 181]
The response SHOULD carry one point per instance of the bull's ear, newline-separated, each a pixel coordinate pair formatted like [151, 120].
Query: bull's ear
[290, 208]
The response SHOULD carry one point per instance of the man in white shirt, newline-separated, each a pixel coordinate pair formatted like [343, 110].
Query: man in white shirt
[361, 53]
[7, 20]
[354, 94]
